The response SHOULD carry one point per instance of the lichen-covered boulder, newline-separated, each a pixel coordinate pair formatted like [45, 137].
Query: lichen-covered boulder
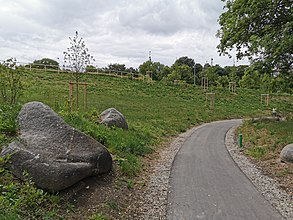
[54, 154]
[113, 118]
[287, 153]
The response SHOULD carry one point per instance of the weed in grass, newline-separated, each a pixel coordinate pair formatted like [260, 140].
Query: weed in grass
[113, 205]
[7, 214]
[98, 216]
[130, 184]
[256, 152]
[283, 172]
[23, 199]
[131, 165]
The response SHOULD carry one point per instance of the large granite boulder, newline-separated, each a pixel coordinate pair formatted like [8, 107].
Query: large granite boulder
[287, 153]
[113, 118]
[54, 154]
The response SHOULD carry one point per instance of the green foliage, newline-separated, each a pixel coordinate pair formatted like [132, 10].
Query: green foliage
[98, 216]
[182, 72]
[260, 30]
[266, 83]
[256, 152]
[113, 204]
[251, 79]
[116, 67]
[77, 56]
[130, 165]
[91, 69]
[8, 115]
[213, 73]
[45, 63]
[156, 70]
[185, 61]
[22, 200]
[10, 81]
[265, 137]
[223, 81]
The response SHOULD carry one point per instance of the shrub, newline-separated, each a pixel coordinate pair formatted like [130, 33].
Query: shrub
[10, 81]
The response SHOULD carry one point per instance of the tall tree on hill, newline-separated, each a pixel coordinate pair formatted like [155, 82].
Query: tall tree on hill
[77, 58]
[116, 67]
[155, 68]
[45, 62]
[185, 61]
[260, 30]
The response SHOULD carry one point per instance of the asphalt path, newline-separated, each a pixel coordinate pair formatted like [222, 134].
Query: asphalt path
[205, 182]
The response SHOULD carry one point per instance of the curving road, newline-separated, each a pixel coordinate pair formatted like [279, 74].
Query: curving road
[205, 183]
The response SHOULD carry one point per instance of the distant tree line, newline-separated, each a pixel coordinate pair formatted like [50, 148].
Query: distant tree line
[253, 77]
[186, 70]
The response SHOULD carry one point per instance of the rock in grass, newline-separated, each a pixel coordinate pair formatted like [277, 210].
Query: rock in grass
[113, 118]
[54, 154]
[287, 153]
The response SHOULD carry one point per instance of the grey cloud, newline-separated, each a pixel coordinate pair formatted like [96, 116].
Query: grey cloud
[169, 16]
[115, 31]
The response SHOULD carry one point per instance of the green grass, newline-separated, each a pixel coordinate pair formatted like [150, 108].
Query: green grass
[256, 152]
[98, 216]
[154, 111]
[272, 136]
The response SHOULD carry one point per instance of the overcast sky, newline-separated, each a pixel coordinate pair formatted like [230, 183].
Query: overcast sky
[115, 31]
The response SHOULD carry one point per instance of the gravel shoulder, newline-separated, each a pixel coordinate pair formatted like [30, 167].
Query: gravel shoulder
[151, 202]
[269, 187]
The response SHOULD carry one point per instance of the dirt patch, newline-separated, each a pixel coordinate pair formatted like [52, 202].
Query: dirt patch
[114, 195]
[274, 168]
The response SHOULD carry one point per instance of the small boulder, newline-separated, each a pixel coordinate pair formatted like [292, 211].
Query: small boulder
[54, 154]
[113, 118]
[287, 154]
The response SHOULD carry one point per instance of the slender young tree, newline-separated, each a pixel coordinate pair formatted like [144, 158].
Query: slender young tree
[10, 81]
[77, 58]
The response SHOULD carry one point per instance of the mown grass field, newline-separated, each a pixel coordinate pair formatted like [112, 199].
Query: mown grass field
[154, 111]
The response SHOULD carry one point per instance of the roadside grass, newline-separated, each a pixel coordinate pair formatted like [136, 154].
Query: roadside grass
[265, 137]
[263, 141]
[154, 111]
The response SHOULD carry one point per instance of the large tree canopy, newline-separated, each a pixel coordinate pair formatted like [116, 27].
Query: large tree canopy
[261, 30]
[45, 62]
[185, 61]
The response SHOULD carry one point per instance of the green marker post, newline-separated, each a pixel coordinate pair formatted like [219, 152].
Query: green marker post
[240, 140]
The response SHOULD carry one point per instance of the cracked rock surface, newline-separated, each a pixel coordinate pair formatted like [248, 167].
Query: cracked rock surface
[54, 154]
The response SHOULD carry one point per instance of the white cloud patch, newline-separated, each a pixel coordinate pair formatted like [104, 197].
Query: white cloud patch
[115, 31]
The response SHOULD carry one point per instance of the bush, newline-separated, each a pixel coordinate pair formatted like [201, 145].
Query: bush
[23, 200]
[10, 81]
[8, 114]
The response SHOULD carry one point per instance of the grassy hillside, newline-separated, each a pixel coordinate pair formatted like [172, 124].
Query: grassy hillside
[154, 111]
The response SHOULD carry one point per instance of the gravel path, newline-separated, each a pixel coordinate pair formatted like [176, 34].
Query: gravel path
[152, 203]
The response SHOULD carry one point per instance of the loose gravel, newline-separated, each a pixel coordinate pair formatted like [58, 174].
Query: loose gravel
[269, 187]
[152, 203]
